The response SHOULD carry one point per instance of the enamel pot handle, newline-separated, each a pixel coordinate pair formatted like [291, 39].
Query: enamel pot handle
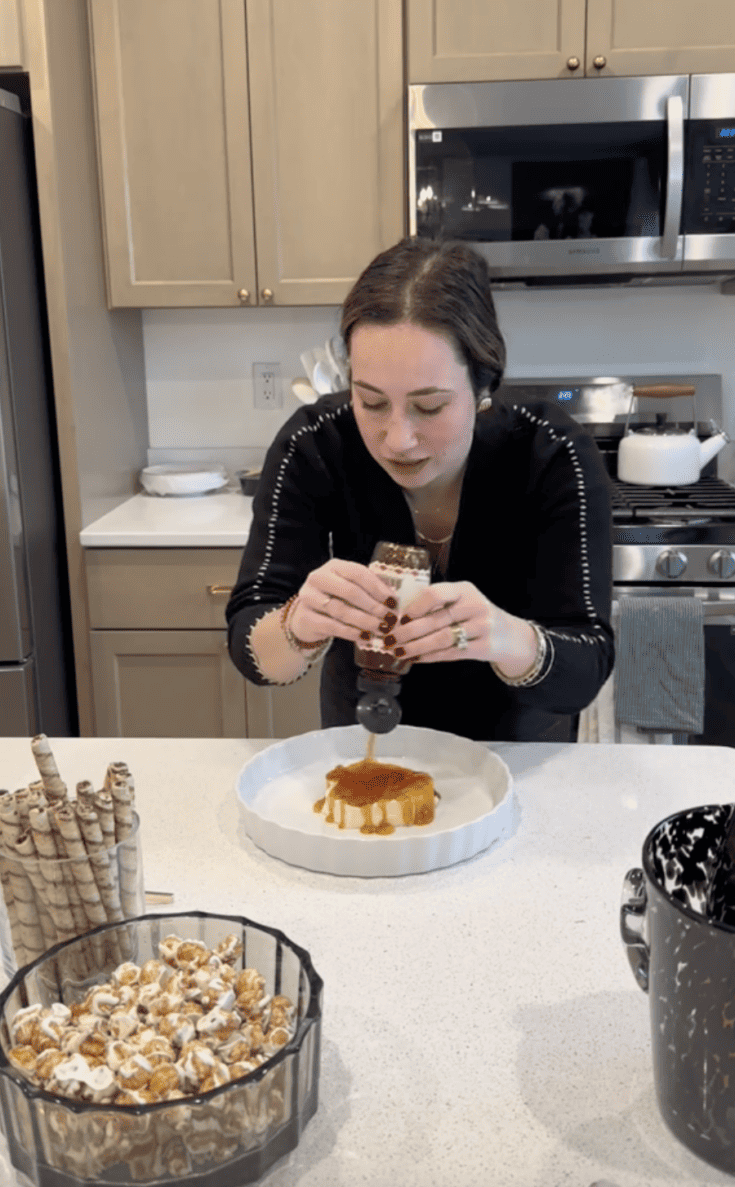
[632, 925]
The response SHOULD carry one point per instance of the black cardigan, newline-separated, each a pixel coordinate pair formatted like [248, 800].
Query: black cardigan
[533, 534]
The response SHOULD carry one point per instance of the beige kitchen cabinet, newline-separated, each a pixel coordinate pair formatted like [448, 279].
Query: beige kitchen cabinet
[160, 666]
[480, 40]
[11, 47]
[250, 151]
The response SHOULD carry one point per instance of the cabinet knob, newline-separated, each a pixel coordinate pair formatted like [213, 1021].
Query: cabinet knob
[599, 63]
[219, 591]
[243, 295]
[267, 295]
[573, 63]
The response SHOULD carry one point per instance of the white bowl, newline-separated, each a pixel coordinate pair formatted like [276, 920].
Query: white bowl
[182, 480]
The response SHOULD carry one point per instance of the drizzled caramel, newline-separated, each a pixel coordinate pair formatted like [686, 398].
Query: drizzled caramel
[367, 783]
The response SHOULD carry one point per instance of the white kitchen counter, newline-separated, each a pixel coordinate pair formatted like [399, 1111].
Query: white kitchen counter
[145, 521]
[481, 1023]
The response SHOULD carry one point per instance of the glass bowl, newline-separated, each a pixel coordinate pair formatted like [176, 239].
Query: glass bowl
[223, 1138]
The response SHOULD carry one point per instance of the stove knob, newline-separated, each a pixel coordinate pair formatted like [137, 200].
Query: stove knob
[722, 563]
[671, 563]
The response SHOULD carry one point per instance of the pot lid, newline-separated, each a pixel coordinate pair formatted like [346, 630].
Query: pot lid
[661, 431]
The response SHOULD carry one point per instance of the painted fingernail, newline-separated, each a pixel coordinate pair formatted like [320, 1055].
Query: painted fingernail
[390, 620]
[389, 640]
[399, 651]
[365, 635]
[406, 618]
[391, 603]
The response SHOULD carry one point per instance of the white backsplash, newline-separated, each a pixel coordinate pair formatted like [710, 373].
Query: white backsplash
[199, 361]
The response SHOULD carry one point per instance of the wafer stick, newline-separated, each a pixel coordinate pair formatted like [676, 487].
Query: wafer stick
[122, 808]
[103, 806]
[118, 770]
[83, 873]
[53, 784]
[25, 847]
[58, 898]
[99, 859]
[26, 920]
[85, 793]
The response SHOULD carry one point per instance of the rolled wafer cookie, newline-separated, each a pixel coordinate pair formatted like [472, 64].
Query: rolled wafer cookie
[24, 926]
[83, 872]
[122, 807]
[56, 888]
[25, 847]
[53, 784]
[99, 858]
[103, 806]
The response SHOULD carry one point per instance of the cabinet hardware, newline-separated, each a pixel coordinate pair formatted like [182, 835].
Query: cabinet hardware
[219, 591]
[599, 63]
[573, 63]
[243, 295]
[267, 295]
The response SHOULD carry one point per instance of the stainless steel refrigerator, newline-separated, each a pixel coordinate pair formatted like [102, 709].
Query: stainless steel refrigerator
[36, 658]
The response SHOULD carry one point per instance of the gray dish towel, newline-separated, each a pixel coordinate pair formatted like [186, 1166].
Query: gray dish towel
[659, 669]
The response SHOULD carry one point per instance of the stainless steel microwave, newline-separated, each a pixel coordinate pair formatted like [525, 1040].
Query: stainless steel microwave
[608, 180]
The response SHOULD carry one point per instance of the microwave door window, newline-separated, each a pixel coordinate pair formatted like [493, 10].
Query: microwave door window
[579, 181]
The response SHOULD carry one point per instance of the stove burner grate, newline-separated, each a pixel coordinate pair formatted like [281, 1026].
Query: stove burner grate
[711, 499]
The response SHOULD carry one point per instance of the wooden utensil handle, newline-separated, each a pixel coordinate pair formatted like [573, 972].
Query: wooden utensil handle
[664, 391]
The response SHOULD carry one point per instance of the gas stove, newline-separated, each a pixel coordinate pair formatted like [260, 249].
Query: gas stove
[664, 536]
[677, 533]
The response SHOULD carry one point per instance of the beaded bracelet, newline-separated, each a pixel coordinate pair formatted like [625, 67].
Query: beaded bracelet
[295, 643]
[532, 675]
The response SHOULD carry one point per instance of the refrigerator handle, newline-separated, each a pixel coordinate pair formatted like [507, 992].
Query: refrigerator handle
[674, 176]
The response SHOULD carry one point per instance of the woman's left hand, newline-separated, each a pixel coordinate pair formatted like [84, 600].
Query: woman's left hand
[440, 614]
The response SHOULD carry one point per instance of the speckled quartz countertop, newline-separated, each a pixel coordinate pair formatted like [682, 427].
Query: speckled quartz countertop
[481, 1023]
[145, 521]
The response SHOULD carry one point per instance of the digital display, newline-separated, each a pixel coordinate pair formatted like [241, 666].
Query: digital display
[565, 394]
[726, 133]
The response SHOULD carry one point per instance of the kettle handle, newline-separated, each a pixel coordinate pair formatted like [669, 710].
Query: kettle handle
[633, 923]
[664, 391]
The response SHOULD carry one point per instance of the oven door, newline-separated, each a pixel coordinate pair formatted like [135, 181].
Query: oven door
[551, 179]
[719, 656]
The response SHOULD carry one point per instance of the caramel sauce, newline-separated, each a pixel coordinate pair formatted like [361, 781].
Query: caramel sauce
[365, 783]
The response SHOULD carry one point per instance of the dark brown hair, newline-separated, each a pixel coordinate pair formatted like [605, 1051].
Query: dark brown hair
[441, 286]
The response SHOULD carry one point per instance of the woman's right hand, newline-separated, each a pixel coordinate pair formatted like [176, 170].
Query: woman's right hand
[340, 599]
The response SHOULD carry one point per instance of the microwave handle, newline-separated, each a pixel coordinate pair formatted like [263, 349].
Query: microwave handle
[675, 176]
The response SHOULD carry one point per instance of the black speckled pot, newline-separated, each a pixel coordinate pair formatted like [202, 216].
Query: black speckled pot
[681, 948]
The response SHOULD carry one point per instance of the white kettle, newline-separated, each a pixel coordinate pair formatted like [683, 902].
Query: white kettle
[666, 455]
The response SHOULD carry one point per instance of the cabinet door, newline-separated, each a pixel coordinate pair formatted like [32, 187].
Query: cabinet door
[170, 79]
[166, 684]
[661, 36]
[326, 96]
[484, 40]
[282, 711]
[10, 44]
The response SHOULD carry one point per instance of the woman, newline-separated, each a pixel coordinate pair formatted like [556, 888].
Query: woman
[512, 638]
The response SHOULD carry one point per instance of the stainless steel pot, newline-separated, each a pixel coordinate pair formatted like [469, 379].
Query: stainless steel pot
[603, 401]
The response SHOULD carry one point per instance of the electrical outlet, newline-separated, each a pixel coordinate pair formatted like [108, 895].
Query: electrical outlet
[267, 386]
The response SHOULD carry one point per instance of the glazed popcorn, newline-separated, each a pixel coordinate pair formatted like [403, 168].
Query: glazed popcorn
[172, 1028]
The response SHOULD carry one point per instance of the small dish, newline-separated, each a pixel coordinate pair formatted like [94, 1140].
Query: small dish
[173, 480]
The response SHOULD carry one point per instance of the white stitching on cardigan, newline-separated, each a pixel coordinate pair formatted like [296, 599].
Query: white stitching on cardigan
[585, 565]
[273, 519]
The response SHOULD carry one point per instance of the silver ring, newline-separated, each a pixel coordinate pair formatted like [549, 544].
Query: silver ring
[459, 635]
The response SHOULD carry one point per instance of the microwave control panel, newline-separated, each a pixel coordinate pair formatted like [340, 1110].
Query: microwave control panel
[709, 192]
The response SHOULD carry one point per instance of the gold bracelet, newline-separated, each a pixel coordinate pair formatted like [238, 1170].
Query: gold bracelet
[532, 674]
[295, 643]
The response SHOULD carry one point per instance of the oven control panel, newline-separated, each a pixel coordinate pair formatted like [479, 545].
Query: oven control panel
[703, 564]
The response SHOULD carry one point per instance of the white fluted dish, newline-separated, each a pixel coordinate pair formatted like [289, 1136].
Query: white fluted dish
[277, 790]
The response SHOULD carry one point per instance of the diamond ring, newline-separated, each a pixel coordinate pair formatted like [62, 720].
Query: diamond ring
[459, 635]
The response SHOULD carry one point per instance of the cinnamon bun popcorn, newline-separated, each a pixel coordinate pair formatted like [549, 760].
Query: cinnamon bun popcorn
[177, 1026]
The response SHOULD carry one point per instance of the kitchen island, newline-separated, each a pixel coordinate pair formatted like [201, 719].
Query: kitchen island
[481, 1023]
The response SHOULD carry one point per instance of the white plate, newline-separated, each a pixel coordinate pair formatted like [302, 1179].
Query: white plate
[278, 788]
